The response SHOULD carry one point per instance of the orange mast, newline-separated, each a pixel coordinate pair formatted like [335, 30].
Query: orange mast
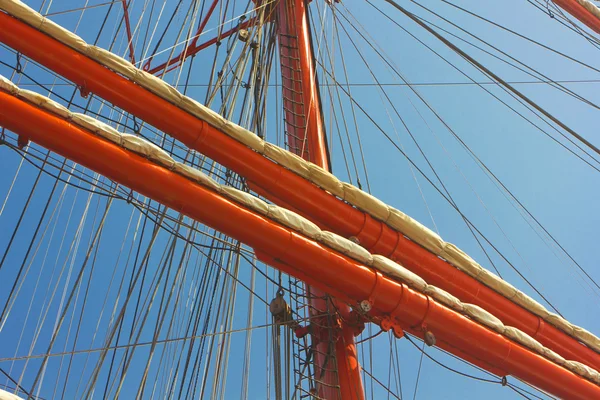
[307, 198]
[298, 255]
[334, 367]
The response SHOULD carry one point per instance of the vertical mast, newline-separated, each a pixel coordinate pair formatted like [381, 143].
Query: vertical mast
[306, 137]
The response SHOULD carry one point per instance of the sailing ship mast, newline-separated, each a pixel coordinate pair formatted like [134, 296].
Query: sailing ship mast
[352, 214]
[334, 352]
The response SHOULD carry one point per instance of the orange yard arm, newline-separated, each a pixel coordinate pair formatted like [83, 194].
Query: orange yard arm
[296, 254]
[574, 8]
[312, 201]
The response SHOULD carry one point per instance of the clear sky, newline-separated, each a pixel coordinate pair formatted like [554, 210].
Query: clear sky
[560, 190]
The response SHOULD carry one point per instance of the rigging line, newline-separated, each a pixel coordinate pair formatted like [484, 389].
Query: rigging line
[198, 246]
[222, 319]
[475, 156]
[165, 352]
[576, 27]
[49, 223]
[196, 14]
[334, 120]
[183, 42]
[460, 52]
[61, 317]
[398, 375]
[206, 296]
[71, 174]
[354, 119]
[16, 174]
[563, 249]
[18, 386]
[114, 188]
[458, 138]
[516, 390]
[423, 352]
[423, 153]
[162, 36]
[550, 82]
[147, 33]
[118, 322]
[520, 35]
[68, 332]
[431, 166]
[412, 171]
[497, 98]
[388, 390]
[488, 373]
[63, 180]
[533, 387]
[83, 306]
[370, 118]
[122, 283]
[480, 369]
[419, 370]
[189, 16]
[493, 95]
[79, 9]
[8, 247]
[165, 271]
[68, 265]
[139, 344]
[534, 72]
[167, 259]
[561, 19]
[314, 52]
[211, 292]
[373, 336]
[453, 47]
[35, 253]
[171, 257]
[343, 118]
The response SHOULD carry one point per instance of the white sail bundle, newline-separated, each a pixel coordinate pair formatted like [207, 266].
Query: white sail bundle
[591, 7]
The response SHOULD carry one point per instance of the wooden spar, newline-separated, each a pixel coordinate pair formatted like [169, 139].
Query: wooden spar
[313, 202]
[298, 255]
[336, 374]
[576, 9]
